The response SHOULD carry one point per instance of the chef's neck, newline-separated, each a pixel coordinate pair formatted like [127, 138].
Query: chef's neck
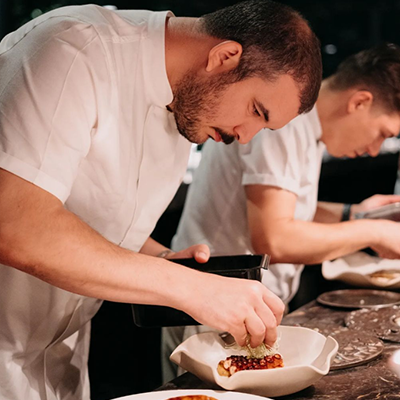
[186, 47]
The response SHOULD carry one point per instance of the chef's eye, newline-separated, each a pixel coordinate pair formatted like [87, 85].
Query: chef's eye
[256, 111]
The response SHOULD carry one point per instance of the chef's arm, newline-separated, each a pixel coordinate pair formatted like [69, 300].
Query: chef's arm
[40, 237]
[274, 231]
[332, 212]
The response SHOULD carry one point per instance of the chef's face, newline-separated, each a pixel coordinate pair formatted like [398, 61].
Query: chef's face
[223, 111]
[362, 133]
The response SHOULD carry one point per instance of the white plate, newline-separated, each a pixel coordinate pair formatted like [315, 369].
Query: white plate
[307, 356]
[355, 269]
[219, 395]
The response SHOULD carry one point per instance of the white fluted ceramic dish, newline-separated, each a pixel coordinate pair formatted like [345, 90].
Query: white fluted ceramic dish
[307, 356]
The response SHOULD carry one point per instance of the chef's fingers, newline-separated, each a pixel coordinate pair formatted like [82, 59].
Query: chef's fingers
[239, 332]
[275, 304]
[260, 324]
[267, 317]
[200, 252]
[260, 332]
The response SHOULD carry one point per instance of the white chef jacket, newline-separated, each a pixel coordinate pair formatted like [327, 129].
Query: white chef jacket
[215, 209]
[83, 95]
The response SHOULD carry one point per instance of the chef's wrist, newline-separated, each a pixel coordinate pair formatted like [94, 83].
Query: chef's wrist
[346, 212]
[165, 253]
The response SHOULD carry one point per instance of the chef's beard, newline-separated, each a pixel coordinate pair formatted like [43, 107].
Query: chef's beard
[197, 100]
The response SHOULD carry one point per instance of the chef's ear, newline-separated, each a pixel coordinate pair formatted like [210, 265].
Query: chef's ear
[223, 57]
[360, 100]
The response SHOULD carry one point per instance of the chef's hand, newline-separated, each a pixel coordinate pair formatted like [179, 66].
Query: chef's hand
[200, 252]
[372, 202]
[238, 306]
[387, 243]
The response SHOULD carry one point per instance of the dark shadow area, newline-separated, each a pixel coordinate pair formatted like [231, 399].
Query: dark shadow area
[353, 180]
[124, 359]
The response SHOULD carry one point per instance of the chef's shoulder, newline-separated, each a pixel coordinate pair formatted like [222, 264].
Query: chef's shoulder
[48, 47]
[73, 26]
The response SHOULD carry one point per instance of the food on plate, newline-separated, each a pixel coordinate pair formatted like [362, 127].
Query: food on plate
[235, 364]
[194, 397]
[384, 276]
[255, 352]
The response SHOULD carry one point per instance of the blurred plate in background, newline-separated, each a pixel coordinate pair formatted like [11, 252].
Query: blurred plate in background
[363, 270]
[359, 298]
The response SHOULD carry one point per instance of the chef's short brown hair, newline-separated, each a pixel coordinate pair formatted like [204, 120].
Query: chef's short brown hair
[275, 39]
[376, 70]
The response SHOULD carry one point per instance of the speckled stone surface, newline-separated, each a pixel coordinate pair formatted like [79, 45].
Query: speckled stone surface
[369, 381]
[383, 322]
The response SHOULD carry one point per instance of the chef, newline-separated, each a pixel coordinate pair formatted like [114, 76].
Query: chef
[97, 112]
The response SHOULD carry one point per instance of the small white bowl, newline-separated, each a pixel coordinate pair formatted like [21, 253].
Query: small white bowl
[307, 356]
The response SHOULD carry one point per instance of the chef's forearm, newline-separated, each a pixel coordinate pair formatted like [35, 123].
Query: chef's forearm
[303, 242]
[40, 237]
[65, 252]
[328, 212]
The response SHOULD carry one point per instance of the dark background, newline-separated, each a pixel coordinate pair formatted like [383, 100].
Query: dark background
[350, 25]
[124, 359]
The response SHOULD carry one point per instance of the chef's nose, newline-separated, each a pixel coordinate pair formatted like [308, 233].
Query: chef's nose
[246, 132]
[374, 148]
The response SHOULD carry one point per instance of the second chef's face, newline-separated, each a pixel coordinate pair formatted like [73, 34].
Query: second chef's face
[362, 133]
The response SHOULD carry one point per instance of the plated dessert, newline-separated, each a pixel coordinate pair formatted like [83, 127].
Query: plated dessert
[233, 364]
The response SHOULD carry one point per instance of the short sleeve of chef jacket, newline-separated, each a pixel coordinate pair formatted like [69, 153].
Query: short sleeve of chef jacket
[50, 83]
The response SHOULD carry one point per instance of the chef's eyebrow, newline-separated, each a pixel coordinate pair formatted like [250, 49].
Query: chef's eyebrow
[263, 110]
